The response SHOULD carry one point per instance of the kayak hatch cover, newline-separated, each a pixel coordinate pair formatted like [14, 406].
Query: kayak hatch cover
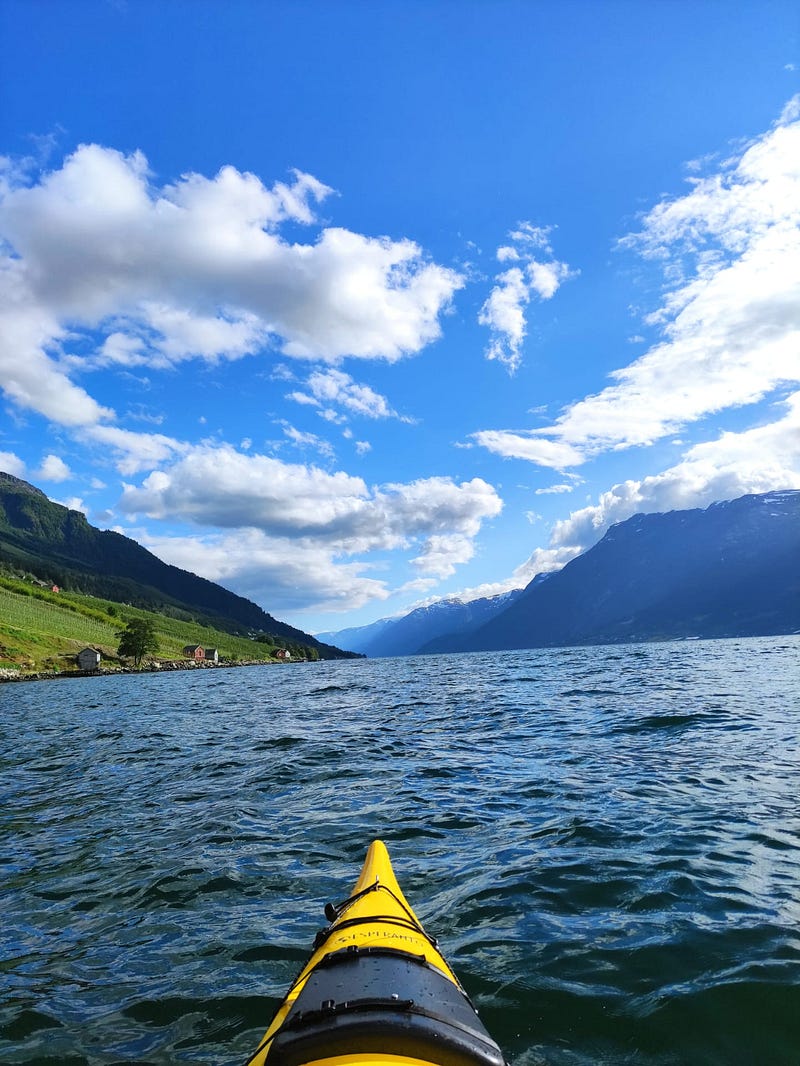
[376, 991]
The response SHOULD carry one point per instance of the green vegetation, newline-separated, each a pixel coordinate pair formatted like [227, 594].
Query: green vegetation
[51, 545]
[138, 639]
[41, 630]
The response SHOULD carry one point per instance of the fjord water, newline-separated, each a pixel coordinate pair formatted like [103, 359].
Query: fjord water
[605, 840]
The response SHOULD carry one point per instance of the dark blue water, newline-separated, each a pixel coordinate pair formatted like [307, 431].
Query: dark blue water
[605, 840]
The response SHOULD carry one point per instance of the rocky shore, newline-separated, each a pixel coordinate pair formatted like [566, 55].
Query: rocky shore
[151, 667]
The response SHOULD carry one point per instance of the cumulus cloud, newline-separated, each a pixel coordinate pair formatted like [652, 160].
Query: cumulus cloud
[443, 553]
[534, 273]
[74, 503]
[53, 468]
[29, 376]
[330, 516]
[100, 266]
[220, 487]
[12, 464]
[131, 451]
[282, 573]
[729, 318]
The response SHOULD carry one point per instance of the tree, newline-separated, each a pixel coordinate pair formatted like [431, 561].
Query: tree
[137, 639]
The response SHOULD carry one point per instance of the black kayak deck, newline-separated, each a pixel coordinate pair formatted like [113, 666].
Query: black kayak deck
[361, 1000]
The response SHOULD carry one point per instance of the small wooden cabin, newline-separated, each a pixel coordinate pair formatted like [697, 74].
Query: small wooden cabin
[194, 651]
[88, 659]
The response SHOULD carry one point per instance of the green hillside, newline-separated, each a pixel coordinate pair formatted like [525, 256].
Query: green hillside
[42, 630]
[57, 545]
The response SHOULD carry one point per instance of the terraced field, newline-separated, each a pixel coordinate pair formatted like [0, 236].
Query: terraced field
[41, 630]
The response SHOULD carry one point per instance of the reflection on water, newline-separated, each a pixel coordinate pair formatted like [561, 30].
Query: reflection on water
[605, 840]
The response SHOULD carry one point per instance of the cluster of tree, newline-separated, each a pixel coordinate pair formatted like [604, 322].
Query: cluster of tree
[138, 639]
[295, 649]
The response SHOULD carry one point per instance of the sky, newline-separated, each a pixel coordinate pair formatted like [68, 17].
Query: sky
[354, 306]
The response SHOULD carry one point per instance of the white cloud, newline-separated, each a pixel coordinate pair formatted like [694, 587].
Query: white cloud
[12, 464]
[169, 335]
[757, 460]
[303, 398]
[308, 440]
[552, 453]
[540, 561]
[330, 517]
[96, 257]
[281, 573]
[282, 372]
[504, 313]
[219, 487]
[417, 584]
[730, 321]
[140, 413]
[133, 452]
[54, 469]
[326, 388]
[444, 553]
[565, 486]
[75, 503]
[29, 377]
[124, 349]
[363, 446]
[762, 459]
[504, 310]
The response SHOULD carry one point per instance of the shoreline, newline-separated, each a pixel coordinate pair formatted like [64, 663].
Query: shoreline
[7, 675]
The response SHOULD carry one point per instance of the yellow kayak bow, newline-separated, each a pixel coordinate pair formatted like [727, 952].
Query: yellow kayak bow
[376, 991]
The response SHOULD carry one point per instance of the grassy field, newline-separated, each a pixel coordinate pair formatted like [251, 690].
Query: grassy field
[43, 630]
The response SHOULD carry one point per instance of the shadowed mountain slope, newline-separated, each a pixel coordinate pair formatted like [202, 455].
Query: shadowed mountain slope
[732, 569]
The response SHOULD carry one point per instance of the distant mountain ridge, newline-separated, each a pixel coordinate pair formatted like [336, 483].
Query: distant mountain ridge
[731, 569]
[59, 545]
[406, 635]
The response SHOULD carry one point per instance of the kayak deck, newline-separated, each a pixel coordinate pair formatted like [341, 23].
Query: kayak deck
[376, 991]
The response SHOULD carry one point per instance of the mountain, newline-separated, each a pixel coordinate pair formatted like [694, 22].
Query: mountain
[58, 545]
[406, 635]
[732, 569]
[356, 638]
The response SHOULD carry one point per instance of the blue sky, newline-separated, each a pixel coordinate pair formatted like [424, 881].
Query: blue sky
[352, 306]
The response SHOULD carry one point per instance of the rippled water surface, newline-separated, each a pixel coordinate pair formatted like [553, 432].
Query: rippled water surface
[605, 840]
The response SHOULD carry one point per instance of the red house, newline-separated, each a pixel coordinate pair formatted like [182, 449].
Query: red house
[194, 651]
